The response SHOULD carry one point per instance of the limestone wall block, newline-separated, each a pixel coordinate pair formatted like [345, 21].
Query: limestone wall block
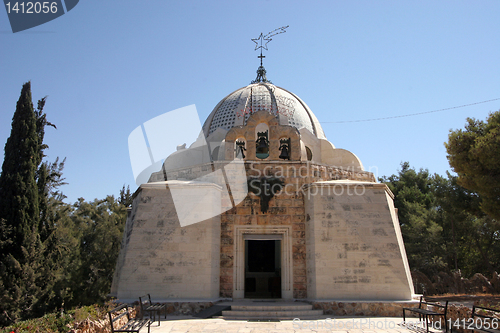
[358, 245]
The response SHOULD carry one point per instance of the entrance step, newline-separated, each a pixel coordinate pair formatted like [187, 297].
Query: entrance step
[212, 311]
[255, 311]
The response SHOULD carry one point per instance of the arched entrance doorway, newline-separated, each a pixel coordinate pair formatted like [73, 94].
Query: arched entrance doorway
[262, 268]
[263, 262]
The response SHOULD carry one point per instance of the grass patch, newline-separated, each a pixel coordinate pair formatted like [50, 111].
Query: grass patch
[50, 323]
[60, 323]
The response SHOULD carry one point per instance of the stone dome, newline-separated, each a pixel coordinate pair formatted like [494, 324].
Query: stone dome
[288, 108]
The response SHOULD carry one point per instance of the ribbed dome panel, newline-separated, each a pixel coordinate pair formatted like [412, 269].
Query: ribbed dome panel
[235, 109]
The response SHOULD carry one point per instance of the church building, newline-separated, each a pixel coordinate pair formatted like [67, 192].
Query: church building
[275, 211]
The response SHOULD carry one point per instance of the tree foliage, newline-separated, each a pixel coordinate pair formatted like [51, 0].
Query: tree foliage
[52, 254]
[58, 255]
[125, 196]
[98, 227]
[19, 212]
[18, 189]
[415, 200]
[442, 224]
[474, 154]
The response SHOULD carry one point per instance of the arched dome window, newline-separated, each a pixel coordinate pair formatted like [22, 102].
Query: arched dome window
[309, 154]
[284, 148]
[262, 142]
[240, 148]
[215, 154]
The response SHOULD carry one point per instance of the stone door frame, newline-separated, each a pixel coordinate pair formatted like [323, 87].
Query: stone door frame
[283, 233]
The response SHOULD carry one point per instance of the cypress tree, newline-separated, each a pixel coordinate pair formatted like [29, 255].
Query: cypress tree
[20, 245]
[18, 187]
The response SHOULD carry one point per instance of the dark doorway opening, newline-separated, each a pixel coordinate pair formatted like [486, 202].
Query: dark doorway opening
[263, 268]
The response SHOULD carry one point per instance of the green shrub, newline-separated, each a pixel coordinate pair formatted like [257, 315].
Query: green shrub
[50, 323]
[60, 323]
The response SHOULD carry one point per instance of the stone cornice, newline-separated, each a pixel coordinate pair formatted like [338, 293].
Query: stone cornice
[349, 183]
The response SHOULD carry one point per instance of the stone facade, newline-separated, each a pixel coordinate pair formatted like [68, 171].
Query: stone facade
[159, 257]
[286, 209]
[187, 308]
[337, 228]
[354, 244]
[371, 262]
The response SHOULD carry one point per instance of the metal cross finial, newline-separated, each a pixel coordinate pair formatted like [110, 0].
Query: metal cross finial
[263, 40]
[261, 57]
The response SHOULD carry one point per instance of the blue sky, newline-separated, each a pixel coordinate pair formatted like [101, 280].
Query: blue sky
[109, 66]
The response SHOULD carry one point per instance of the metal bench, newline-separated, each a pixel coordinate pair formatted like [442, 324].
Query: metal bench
[152, 308]
[426, 313]
[487, 320]
[132, 325]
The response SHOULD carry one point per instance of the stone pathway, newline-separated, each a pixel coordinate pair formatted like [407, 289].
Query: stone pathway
[322, 325]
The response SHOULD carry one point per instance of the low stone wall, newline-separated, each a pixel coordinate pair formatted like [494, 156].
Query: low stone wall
[371, 309]
[460, 317]
[458, 312]
[187, 308]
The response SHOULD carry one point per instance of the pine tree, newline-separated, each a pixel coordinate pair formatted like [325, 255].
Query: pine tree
[126, 198]
[100, 225]
[474, 154]
[415, 201]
